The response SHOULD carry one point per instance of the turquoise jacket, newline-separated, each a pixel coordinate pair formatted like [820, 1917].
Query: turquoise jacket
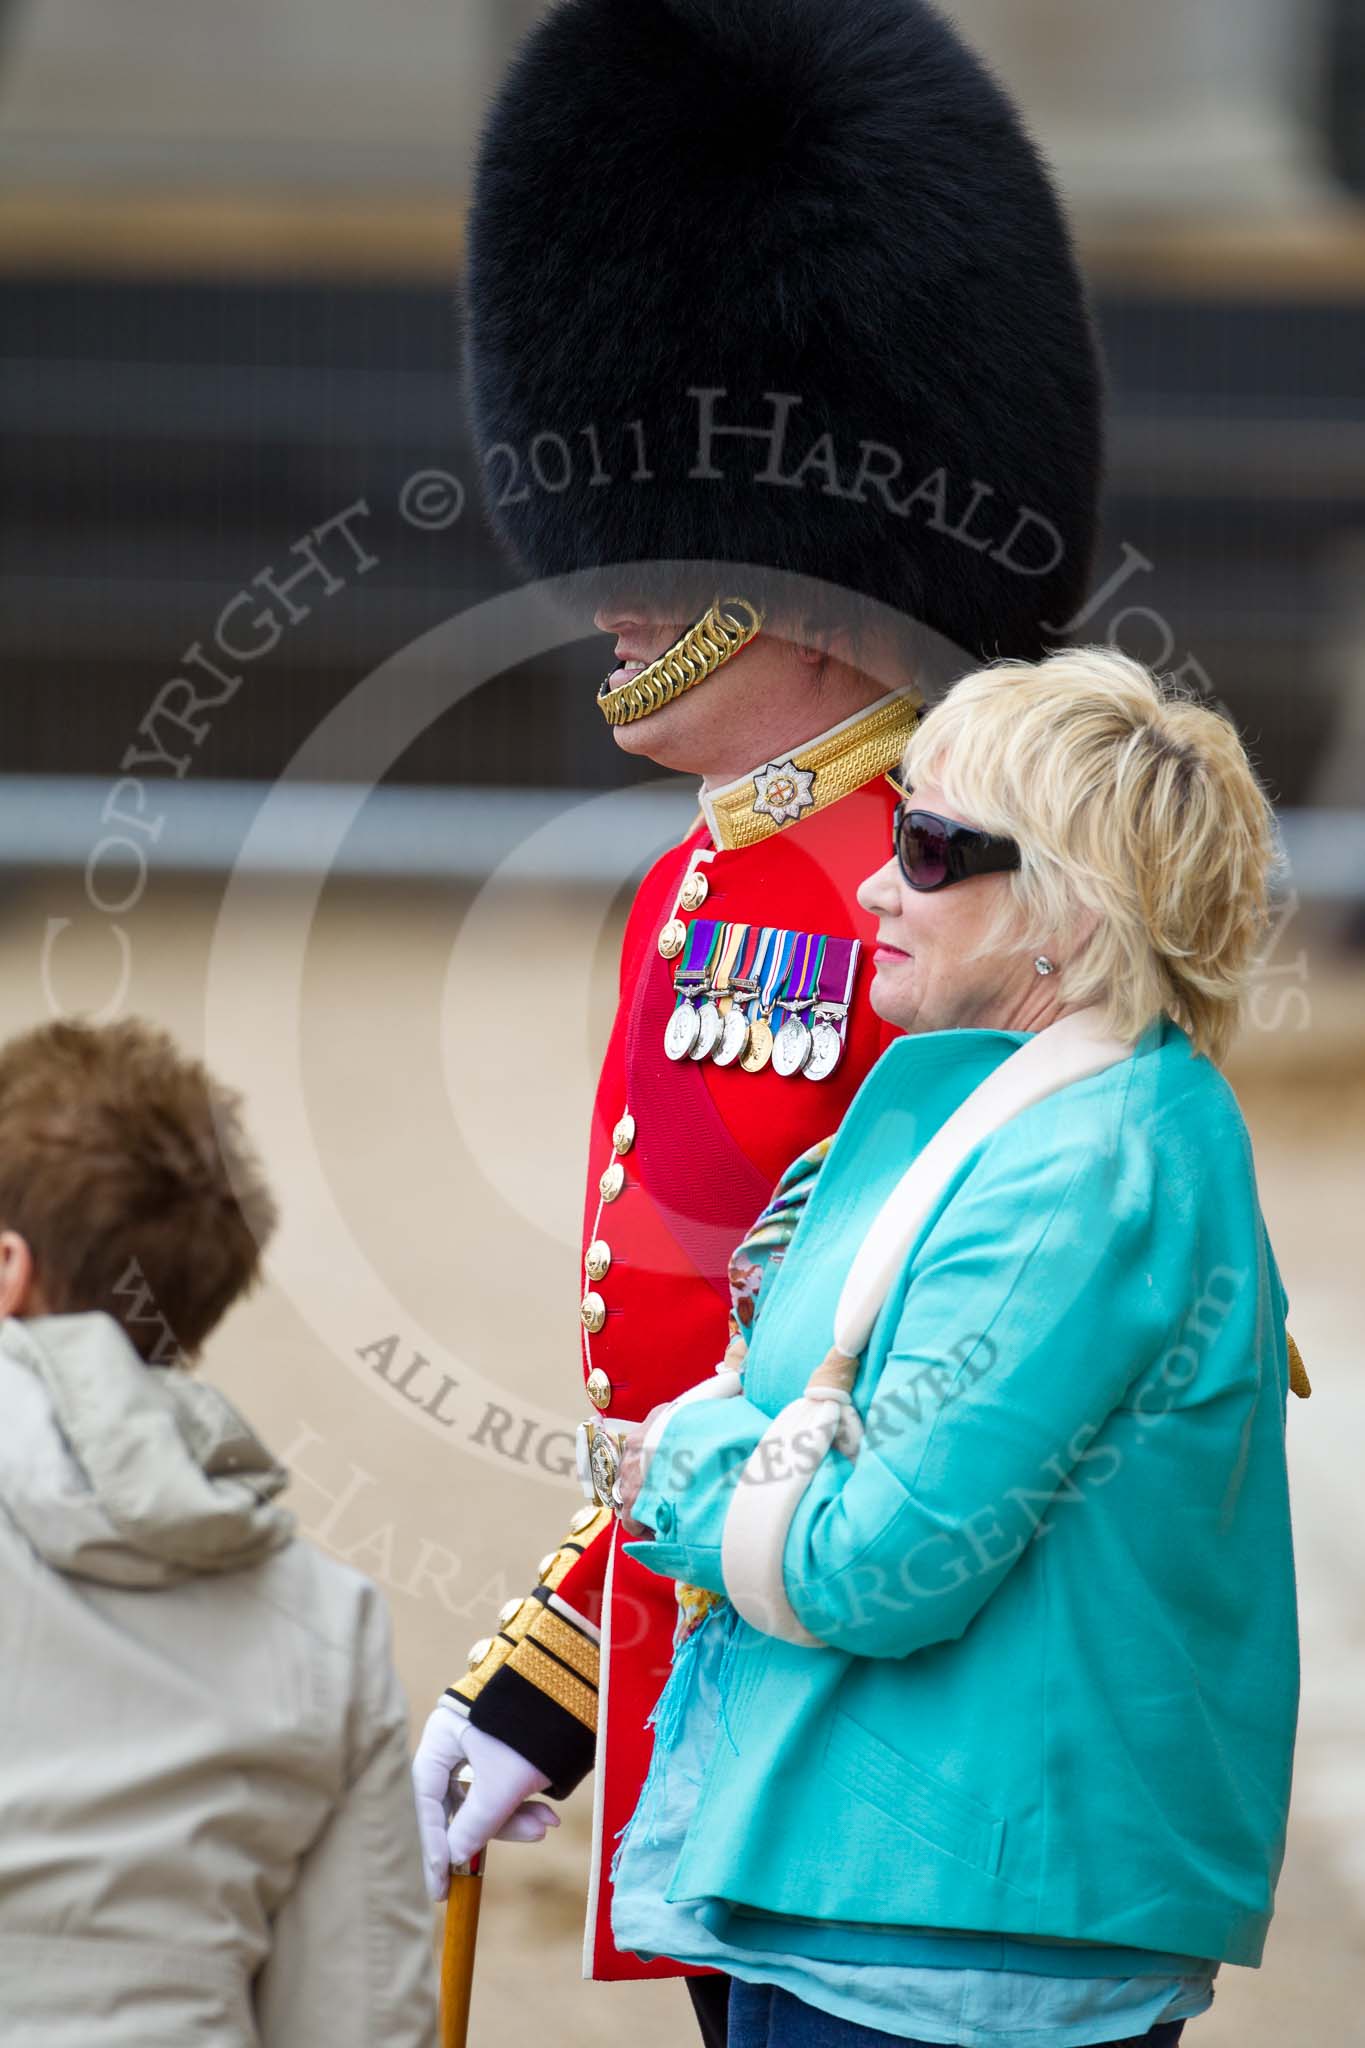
[1060, 1686]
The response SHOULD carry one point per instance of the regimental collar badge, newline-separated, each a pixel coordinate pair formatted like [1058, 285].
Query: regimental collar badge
[782, 791]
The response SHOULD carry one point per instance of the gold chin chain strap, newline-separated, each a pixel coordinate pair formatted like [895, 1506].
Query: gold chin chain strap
[682, 666]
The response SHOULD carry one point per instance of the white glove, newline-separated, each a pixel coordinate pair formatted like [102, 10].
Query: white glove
[498, 1803]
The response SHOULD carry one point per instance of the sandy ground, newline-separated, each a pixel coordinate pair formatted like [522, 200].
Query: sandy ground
[418, 1068]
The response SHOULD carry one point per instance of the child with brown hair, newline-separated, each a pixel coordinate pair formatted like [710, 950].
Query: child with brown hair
[206, 1821]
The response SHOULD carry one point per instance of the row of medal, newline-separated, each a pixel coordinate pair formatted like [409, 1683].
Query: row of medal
[750, 994]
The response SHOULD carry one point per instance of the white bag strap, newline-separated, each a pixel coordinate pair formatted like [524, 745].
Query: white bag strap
[779, 1469]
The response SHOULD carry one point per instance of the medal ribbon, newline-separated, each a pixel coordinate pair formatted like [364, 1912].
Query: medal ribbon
[767, 942]
[746, 969]
[734, 938]
[701, 937]
[690, 972]
[834, 986]
[775, 974]
[719, 934]
[802, 957]
[810, 981]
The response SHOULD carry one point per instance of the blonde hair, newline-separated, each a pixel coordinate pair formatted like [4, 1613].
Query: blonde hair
[1129, 802]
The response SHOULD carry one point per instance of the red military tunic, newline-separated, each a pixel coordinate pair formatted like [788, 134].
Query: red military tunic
[683, 1155]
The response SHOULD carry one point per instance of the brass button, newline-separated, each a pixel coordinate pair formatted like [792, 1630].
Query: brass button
[546, 1562]
[612, 1181]
[623, 1137]
[479, 1651]
[599, 1387]
[509, 1610]
[695, 891]
[672, 938]
[597, 1259]
[594, 1313]
[582, 1519]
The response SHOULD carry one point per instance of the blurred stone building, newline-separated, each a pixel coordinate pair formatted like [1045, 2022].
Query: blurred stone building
[1176, 105]
[231, 242]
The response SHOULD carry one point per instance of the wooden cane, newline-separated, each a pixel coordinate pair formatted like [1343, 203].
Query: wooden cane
[457, 1949]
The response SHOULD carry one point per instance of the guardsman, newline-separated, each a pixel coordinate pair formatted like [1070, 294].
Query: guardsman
[778, 358]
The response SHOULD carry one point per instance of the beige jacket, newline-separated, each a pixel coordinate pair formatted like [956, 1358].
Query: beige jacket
[206, 1821]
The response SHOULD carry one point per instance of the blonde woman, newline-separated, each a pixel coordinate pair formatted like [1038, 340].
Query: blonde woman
[982, 1713]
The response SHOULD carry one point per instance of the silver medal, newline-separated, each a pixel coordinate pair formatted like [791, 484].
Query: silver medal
[709, 1025]
[826, 1051]
[681, 1035]
[734, 1036]
[791, 1048]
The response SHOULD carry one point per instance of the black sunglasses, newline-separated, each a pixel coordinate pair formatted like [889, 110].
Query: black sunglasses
[933, 852]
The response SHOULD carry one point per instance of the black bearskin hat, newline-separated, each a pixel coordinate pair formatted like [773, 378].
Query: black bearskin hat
[817, 220]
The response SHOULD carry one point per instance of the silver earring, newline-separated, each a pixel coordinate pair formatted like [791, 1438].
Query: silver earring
[1042, 965]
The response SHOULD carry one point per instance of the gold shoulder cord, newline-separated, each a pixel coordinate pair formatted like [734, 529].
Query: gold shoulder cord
[698, 654]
